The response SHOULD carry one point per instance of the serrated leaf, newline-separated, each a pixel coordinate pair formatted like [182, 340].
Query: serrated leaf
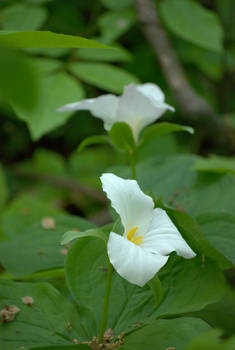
[104, 76]
[92, 140]
[161, 129]
[33, 38]
[122, 136]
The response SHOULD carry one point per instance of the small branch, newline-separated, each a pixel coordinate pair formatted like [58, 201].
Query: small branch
[64, 182]
[192, 106]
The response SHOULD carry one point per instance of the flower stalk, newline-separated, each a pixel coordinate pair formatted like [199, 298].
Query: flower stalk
[104, 316]
[132, 164]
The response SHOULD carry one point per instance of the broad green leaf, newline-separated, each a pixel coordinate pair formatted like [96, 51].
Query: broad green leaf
[118, 55]
[220, 314]
[193, 234]
[86, 267]
[93, 140]
[24, 211]
[161, 129]
[45, 323]
[18, 83]
[71, 235]
[212, 340]
[216, 164]
[33, 38]
[116, 5]
[207, 61]
[122, 136]
[165, 334]
[63, 347]
[188, 285]
[23, 17]
[3, 188]
[104, 76]
[54, 90]
[196, 193]
[48, 162]
[36, 248]
[182, 18]
[219, 229]
[113, 24]
[207, 341]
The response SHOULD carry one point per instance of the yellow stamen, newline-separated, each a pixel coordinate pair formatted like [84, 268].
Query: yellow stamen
[131, 238]
[131, 233]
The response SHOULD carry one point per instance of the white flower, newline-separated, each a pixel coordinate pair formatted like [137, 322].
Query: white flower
[139, 106]
[149, 235]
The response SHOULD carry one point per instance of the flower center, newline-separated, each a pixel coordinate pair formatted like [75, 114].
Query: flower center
[131, 236]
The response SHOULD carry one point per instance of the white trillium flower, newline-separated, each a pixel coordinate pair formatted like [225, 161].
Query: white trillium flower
[139, 106]
[149, 234]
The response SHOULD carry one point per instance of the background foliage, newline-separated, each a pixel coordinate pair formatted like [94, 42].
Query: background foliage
[43, 175]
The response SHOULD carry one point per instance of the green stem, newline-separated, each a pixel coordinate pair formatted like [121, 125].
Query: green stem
[104, 317]
[132, 164]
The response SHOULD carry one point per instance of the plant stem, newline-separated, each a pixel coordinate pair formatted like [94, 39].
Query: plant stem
[132, 164]
[104, 317]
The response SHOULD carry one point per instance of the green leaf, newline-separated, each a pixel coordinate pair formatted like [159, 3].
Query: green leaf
[55, 90]
[189, 285]
[207, 341]
[156, 287]
[122, 136]
[192, 233]
[23, 17]
[165, 334]
[17, 71]
[161, 129]
[182, 18]
[92, 140]
[3, 188]
[36, 248]
[33, 38]
[45, 323]
[116, 5]
[63, 347]
[219, 229]
[71, 235]
[220, 314]
[103, 76]
[113, 24]
[207, 61]
[216, 164]
[119, 55]
[86, 267]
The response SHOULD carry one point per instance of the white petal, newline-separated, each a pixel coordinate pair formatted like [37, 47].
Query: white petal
[164, 238]
[103, 107]
[141, 105]
[132, 262]
[134, 207]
